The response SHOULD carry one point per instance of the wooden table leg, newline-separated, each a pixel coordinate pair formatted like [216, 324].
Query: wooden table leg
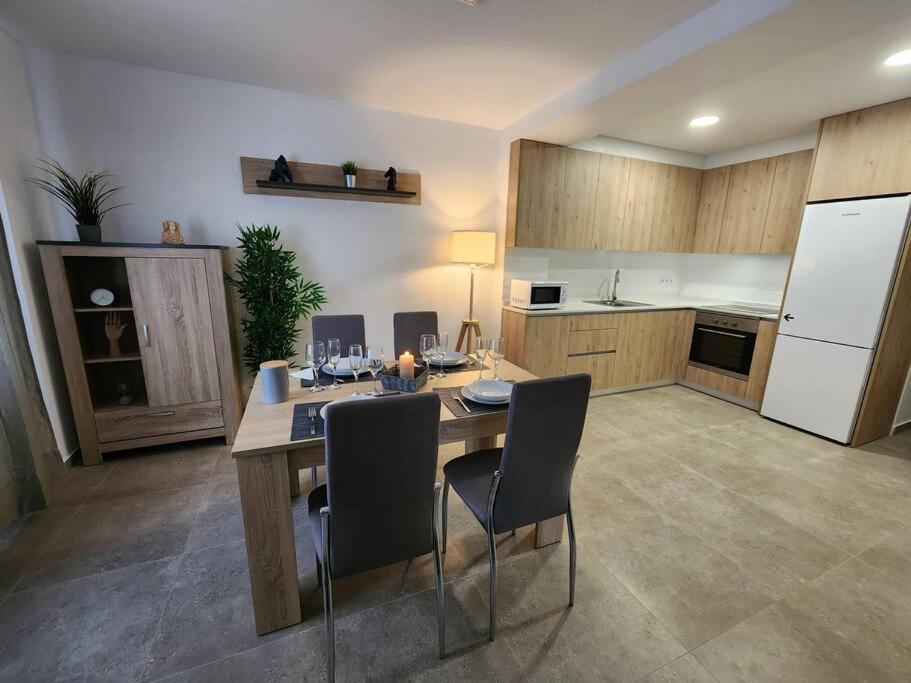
[480, 443]
[549, 531]
[269, 531]
[294, 481]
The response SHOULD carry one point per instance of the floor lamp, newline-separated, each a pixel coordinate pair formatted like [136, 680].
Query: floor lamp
[475, 249]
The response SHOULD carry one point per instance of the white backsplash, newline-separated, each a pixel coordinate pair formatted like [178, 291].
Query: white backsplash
[733, 277]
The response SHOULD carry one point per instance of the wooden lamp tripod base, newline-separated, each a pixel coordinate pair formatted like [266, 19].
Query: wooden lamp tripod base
[469, 325]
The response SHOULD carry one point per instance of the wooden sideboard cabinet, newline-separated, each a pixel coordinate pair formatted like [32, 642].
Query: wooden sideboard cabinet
[176, 360]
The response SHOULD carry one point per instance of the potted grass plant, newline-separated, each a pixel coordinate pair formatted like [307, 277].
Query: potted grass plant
[349, 169]
[87, 199]
[274, 294]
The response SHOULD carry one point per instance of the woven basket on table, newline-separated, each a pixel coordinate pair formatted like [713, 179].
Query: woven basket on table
[391, 380]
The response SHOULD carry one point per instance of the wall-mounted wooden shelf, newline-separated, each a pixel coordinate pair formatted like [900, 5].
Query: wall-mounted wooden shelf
[327, 182]
[89, 360]
[102, 309]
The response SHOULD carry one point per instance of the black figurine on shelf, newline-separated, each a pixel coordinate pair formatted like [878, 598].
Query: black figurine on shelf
[281, 173]
[391, 176]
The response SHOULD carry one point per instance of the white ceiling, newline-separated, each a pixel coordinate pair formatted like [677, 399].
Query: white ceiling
[772, 79]
[485, 65]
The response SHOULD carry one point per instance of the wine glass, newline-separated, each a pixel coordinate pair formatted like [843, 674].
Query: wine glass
[495, 351]
[480, 352]
[375, 363]
[315, 356]
[441, 349]
[335, 354]
[428, 344]
[356, 362]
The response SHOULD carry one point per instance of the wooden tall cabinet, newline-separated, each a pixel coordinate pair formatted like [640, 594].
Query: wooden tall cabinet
[175, 378]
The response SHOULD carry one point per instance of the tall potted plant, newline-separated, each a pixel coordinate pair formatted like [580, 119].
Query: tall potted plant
[274, 295]
[86, 198]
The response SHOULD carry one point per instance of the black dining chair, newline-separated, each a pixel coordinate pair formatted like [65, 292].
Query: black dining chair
[407, 329]
[529, 479]
[380, 503]
[348, 329]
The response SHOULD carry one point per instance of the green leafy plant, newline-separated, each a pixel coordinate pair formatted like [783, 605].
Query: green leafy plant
[349, 167]
[85, 198]
[274, 295]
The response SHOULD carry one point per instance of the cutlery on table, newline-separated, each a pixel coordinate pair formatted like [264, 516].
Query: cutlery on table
[311, 413]
[458, 398]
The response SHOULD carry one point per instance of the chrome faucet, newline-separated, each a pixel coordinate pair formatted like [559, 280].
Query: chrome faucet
[613, 292]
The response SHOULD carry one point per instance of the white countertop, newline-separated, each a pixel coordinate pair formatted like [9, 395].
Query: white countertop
[655, 302]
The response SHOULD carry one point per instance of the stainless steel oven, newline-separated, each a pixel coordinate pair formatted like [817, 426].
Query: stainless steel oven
[724, 343]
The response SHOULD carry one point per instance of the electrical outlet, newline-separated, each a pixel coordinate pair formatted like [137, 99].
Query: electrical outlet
[666, 280]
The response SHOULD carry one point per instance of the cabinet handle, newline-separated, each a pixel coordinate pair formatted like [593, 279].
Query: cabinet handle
[145, 335]
[163, 413]
[724, 334]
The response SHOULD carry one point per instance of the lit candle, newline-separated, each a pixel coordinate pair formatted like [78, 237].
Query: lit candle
[406, 366]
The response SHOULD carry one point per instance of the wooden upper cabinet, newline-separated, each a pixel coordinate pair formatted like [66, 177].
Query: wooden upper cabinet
[864, 153]
[678, 194]
[661, 205]
[710, 215]
[747, 204]
[789, 193]
[580, 187]
[641, 205]
[174, 322]
[534, 213]
[610, 202]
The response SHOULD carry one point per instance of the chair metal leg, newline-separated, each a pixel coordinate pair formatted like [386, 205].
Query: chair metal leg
[513, 532]
[492, 557]
[313, 478]
[319, 571]
[327, 599]
[492, 552]
[438, 574]
[445, 511]
[572, 554]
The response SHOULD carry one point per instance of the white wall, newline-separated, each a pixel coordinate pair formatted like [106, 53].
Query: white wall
[27, 217]
[174, 141]
[732, 277]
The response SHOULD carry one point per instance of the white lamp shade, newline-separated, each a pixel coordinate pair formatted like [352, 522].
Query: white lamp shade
[474, 246]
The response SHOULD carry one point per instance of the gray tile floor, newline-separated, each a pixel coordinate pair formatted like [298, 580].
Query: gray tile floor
[713, 545]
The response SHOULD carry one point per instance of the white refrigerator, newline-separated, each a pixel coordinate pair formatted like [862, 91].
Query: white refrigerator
[841, 281]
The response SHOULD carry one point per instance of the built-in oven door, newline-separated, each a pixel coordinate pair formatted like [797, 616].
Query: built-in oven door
[724, 344]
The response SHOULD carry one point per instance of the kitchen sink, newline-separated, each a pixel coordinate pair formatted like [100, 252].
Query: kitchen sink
[619, 303]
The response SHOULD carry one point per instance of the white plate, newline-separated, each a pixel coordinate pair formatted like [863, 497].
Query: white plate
[450, 359]
[492, 391]
[305, 374]
[352, 397]
[343, 370]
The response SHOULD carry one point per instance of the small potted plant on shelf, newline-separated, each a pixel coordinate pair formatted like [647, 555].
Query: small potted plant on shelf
[86, 199]
[349, 168]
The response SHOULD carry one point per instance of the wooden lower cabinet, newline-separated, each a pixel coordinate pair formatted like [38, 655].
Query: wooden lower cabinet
[599, 365]
[652, 346]
[617, 349]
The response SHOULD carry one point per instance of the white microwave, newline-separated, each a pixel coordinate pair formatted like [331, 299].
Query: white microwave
[537, 294]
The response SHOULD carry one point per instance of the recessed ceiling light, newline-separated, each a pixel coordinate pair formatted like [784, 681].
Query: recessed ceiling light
[702, 121]
[902, 58]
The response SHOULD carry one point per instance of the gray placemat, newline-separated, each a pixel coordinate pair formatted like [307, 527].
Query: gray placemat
[447, 396]
[301, 423]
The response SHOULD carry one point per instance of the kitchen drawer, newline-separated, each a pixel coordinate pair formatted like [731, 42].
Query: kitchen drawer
[142, 421]
[595, 321]
[599, 365]
[591, 341]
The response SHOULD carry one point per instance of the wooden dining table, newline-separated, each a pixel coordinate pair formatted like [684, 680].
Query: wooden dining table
[268, 462]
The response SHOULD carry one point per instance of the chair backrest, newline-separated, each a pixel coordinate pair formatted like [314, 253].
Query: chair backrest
[381, 463]
[348, 329]
[407, 329]
[543, 431]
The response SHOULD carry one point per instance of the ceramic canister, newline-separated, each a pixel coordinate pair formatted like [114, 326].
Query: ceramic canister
[274, 377]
